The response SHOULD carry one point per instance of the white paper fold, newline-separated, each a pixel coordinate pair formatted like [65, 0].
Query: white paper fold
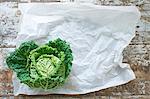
[97, 35]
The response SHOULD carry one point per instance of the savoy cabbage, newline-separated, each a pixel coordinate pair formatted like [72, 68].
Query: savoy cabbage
[46, 66]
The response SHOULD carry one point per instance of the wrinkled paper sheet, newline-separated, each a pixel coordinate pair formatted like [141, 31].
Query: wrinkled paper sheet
[97, 35]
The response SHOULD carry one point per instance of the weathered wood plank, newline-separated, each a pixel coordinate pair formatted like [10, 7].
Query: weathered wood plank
[8, 19]
[5, 83]
[141, 38]
[1, 40]
[135, 87]
[144, 25]
[146, 1]
[45, 1]
[138, 55]
[7, 42]
[131, 97]
[145, 7]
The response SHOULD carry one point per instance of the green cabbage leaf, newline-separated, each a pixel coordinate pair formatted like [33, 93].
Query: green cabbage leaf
[47, 66]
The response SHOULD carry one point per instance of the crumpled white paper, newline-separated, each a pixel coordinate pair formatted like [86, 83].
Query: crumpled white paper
[97, 35]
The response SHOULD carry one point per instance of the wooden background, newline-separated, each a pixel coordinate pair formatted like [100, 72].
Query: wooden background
[137, 54]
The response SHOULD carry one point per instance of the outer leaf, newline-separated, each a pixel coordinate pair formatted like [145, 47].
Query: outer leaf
[19, 58]
[62, 46]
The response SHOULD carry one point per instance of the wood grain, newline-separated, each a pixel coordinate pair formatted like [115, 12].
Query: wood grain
[137, 54]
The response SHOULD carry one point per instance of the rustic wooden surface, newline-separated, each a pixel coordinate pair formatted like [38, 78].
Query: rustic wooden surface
[137, 54]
